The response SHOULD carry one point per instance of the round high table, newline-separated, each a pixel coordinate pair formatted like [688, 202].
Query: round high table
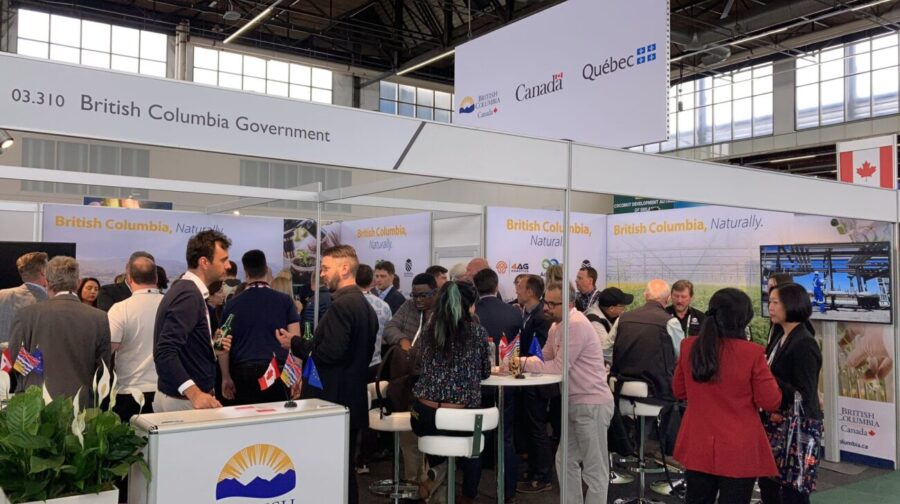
[500, 381]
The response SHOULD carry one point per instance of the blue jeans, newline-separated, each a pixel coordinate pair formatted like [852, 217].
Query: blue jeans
[423, 424]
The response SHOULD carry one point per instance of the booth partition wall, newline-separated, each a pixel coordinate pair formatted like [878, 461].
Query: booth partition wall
[419, 192]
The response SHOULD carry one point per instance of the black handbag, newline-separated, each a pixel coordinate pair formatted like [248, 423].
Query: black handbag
[669, 422]
[399, 365]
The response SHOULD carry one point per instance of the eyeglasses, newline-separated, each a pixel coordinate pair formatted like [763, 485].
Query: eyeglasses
[422, 295]
[551, 304]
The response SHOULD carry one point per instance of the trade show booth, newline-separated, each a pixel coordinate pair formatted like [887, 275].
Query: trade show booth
[291, 177]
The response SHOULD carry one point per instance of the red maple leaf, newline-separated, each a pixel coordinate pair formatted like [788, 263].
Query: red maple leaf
[872, 433]
[866, 170]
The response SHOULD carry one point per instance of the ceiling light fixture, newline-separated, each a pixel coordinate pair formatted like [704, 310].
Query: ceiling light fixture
[253, 22]
[797, 158]
[426, 62]
[870, 4]
[6, 140]
[231, 14]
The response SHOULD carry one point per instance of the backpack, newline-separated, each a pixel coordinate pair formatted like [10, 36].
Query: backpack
[593, 317]
[399, 365]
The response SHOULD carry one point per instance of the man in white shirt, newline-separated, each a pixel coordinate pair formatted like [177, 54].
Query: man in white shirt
[131, 324]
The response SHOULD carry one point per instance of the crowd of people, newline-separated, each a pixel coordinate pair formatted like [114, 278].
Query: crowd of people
[171, 353]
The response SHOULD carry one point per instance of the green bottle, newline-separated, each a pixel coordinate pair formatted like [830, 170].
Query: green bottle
[224, 330]
[307, 331]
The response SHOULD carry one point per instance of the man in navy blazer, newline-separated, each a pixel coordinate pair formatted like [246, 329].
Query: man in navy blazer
[182, 339]
[385, 275]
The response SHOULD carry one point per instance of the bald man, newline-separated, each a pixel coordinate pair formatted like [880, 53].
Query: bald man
[645, 343]
[474, 266]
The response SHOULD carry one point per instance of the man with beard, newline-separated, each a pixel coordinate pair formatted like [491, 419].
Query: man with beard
[342, 347]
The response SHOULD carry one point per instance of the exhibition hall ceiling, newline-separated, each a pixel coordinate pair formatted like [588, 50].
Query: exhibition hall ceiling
[390, 35]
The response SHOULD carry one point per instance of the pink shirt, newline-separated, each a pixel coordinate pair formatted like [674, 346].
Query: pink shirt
[587, 371]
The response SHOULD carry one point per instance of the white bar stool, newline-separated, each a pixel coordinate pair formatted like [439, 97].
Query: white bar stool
[385, 421]
[475, 421]
[629, 405]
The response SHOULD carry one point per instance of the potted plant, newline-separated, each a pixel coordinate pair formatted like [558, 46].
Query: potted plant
[51, 450]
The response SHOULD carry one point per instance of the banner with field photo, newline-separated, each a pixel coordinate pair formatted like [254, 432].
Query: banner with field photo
[525, 241]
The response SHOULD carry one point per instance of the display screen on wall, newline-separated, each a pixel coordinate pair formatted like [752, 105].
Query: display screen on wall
[845, 281]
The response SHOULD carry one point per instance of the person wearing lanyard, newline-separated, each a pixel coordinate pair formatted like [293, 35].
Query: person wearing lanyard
[182, 340]
[689, 318]
[260, 314]
[73, 337]
[403, 330]
[795, 360]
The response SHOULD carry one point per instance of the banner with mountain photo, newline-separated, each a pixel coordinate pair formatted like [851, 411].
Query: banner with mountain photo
[106, 237]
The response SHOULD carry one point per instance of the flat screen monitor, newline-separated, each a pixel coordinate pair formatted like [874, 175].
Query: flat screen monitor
[845, 281]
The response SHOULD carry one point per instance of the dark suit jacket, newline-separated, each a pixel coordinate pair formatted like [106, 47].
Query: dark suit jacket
[721, 433]
[14, 299]
[536, 326]
[395, 300]
[498, 319]
[182, 348]
[341, 350]
[112, 294]
[644, 350]
[796, 367]
[73, 338]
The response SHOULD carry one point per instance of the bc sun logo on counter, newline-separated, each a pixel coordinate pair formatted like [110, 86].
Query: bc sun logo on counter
[259, 471]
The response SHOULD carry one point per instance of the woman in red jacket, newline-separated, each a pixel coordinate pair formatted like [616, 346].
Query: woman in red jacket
[725, 380]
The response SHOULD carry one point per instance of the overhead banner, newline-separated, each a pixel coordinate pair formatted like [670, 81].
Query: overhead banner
[594, 72]
[404, 240]
[870, 162]
[93, 103]
[524, 241]
[106, 237]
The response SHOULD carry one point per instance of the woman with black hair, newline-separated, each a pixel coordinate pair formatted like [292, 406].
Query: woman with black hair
[455, 359]
[725, 380]
[88, 291]
[795, 359]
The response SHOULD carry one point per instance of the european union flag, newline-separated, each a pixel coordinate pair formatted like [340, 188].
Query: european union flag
[312, 374]
[536, 349]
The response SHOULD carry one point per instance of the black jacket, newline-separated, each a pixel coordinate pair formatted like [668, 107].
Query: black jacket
[644, 349]
[182, 348]
[796, 367]
[498, 319]
[112, 294]
[536, 326]
[395, 300]
[341, 350]
[694, 317]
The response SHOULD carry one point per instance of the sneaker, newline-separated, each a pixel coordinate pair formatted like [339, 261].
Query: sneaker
[363, 469]
[533, 487]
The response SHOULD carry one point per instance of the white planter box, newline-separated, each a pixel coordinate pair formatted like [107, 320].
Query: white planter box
[108, 497]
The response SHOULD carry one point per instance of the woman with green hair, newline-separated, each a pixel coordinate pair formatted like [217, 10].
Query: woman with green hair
[455, 359]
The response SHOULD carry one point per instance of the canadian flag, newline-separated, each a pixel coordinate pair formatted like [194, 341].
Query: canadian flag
[5, 361]
[266, 380]
[868, 162]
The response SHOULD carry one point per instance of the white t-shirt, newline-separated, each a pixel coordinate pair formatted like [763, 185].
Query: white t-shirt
[131, 324]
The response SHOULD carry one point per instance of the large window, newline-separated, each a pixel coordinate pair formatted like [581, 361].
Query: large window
[250, 73]
[412, 101]
[727, 107]
[85, 158]
[73, 40]
[853, 81]
[289, 175]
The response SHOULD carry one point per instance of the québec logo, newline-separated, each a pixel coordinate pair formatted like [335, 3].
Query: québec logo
[525, 92]
[642, 55]
[646, 54]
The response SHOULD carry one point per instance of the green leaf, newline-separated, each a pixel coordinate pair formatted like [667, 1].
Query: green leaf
[26, 442]
[24, 410]
[39, 464]
[120, 470]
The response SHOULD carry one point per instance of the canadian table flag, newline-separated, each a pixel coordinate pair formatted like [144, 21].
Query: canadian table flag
[5, 361]
[869, 162]
[266, 380]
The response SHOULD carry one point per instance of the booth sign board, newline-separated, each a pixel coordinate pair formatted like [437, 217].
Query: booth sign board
[108, 105]
[590, 71]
